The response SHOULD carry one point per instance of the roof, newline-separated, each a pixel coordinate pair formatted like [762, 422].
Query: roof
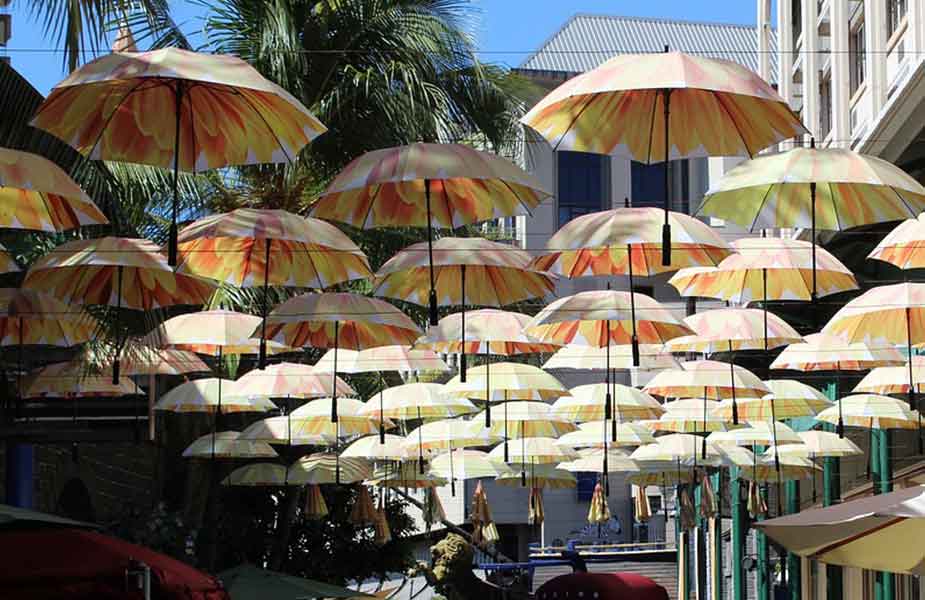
[585, 41]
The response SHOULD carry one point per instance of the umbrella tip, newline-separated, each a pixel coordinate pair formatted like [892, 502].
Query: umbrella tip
[666, 47]
[626, 202]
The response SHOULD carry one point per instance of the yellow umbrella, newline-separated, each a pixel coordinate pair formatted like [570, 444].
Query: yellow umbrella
[588, 403]
[730, 329]
[831, 188]
[534, 451]
[757, 433]
[593, 461]
[537, 477]
[68, 380]
[893, 380]
[173, 108]
[685, 447]
[598, 512]
[289, 432]
[462, 464]
[824, 352]
[451, 433]
[227, 444]
[339, 320]
[211, 332]
[818, 444]
[257, 475]
[651, 356]
[406, 475]
[689, 415]
[204, 395]
[314, 416]
[791, 468]
[902, 247]
[324, 468]
[536, 513]
[871, 411]
[289, 380]
[791, 399]
[525, 418]
[595, 434]
[38, 195]
[392, 187]
[661, 107]
[372, 448]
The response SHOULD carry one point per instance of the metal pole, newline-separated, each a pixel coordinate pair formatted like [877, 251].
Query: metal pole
[118, 326]
[430, 256]
[812, 202]
[666, 227]
[334, 374]
[794, 563]
[738, 535]
[266, 306]
[635, 339]
[175, 207]
[462, 341]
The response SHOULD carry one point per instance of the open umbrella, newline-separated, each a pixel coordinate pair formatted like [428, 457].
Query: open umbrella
[327, 468]
[651, 357]
[392, 187]
[258, 475]
[902, 247]
[594, 434]
[831, 188]
[687, 416]
[173, 108]
[125, 273]
[227, 445]
[38, 195]
[893, 380]
[791, 399]
[537, 477]
[465, 271]
[530, 451]
[588, 403]
[251, 247]
[283, 431]
[818, 444]
[338, 320]
[69, 380]
[661, 107]
[372, 448]
[823, 352]
[591, 460]
[872, 411]
[732, 329]
[463, 463]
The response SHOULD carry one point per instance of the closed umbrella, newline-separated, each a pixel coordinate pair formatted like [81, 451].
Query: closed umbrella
[599, 511]
[484, 530]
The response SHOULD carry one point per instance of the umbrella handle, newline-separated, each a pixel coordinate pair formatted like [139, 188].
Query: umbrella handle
[175, 207]
[666, 227]
[462, 341]
[434, 316]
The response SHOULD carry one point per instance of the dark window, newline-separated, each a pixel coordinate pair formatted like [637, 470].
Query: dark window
[796, 18]
[583, 184]
[856, 46]
[825, 101]
[895, 12]
[585, 485]
[647, 184]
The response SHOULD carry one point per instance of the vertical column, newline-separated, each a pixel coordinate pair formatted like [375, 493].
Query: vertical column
[831, 494]
[875, 42]
[20, 468]
[885, 581]
[738, 535]
[810, 66]
[764, 30]
[915, 13]
[785, 55]
[794, 563]
[716, 540]
[841, 84]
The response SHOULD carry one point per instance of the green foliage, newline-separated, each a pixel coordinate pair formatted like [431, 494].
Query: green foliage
[158, 529]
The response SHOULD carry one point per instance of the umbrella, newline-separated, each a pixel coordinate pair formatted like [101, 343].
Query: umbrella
[902, 247]
[363, 511]
[893, 380]
[392, 187]
[889, 314]
[661, 107]
[258, 475]
[289, 432]
[68, 380]
[593, 434]
[534, 450]
[462, 464]
[465, 271]
[538, 477]
[203, 395]
[823, 352]
[872, 411]
[227, 444]
[217, 111]
[323, 468]
[588, 403]
[38, 195]
[651, 356]
[627, 241]
[211, 332]
[433, 509]
[315, 506]
[730, 329]
[251, 247]
[768, 268]
[405, 476]
[339, 320]
[121, 272]
[791, 399]
[818, 444]
[139, 359]
[831, 188]
[448, 435]
[525, 418]
[592, 461]
[314, 417]
[878, 532]
[372, 448]
[484, 530]
[685, 447]
[757, 433]
[598, 512]
[687, 416]
[289, 380]
[247, 582]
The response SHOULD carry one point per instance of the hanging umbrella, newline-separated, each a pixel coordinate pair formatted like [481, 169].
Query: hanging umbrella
[893, 380]
[687, 416]
[392, 187]
[588, 403]
[660, 107]
[227, 445]
[525, 418]
[120, 272]
[314, 417]
[323, 468]
[258, 475]
[818, 444]
[823, 352]
[315, 506]
[594, 434]
[627, 241]
[433, 509]
[534, 450]
[285, 431]
[251, 247]
[339, 320]
[290, 380]
[537, 477]
[831, 188]
[363, 511]
[651, 357]
[173, 108]
[791, 468]
[371, 448]
[139, 359]
[451, 433]
[464, 271]
[537, 512]
[202, 395]
[484, 530]
[872, 411]
[405, 475]
[791, 399]
[642, 510]
[731, 329]
[463, 464]
[591, 460]
[69, 380]
[38, 195]
[213, 333]
[685, 447]
[757, 433]
[902, 247]
[599, 511]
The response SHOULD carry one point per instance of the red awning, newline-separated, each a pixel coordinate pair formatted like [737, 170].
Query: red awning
[77, 564]
[601, 586]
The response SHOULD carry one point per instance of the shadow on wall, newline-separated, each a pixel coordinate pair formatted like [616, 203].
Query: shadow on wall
[74, 501]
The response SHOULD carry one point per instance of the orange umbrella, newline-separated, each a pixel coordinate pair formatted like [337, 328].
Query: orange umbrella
[235, 248]
[660, 107]
[392, 188]
[176, 108]
[212, 332]
[37, 194]
[731, 329]
[68, 380]
[121, 272]
[465, 271]
[903, 246]
[339, 320]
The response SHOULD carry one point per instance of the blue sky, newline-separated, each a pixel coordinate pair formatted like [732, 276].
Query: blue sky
[507, 30]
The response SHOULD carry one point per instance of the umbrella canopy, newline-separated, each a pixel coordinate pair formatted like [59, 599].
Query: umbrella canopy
[588, 403]
[685, 446]
[792, 468]
[592, 461]
[406, 475]
[757, 433]
[324, 468]
[537, 476]
[451, 433]
[902, 246]
[525, 418]
[597, 434]
[372, 448]
[247, 582]
[788, 399]
[871, 411]
[290, 432]
[651, 356]
[122, 272]
[506, 381]
[689, 415]
[206, 395]
[494, 274]
[251, 247]
[628, 241]
[533, 450]
[486, 331]
[258, 475]
[69, 380]
[851, 189]
[382, 358]
[32, 318]
[38, 195]
[818, 444]
[227, 444]
[708, 379]
[768, 269]
[314, 417]
[464, 464]
[824, 352]
[728, 329]
[894, 380]
[138, 359]
[289, 380]
[878, 532]
[211, 332]
[416, 401]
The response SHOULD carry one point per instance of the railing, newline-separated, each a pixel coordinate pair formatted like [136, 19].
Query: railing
[597, 550]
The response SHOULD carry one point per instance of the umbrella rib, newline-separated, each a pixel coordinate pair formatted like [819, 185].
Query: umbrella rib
[113, 114]
[719, 100]
[591, 99]
[834, 207]
[912, 211]
[267, 125]
[516, 195]
[764, 200]
[372, 202]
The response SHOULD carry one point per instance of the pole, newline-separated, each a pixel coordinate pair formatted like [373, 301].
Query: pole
[738, 535]
[732, 381]
[266, 305]
[666, 227]
[118, 326]
[794, 564]
[831, 494]
[506, 453]
[812, 203]
[175, 208]
[430, 255]
[912, 399]
[716, 537]
[334, 374]
[885, 582]
[487, 387]
[635, 339]
[462, 353]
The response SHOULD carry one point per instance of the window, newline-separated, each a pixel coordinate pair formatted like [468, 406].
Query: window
[825, 101]
[647, 184]
[856, 58]
[584, 487]
[583, 184]
[895, 13]
[796, 18]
